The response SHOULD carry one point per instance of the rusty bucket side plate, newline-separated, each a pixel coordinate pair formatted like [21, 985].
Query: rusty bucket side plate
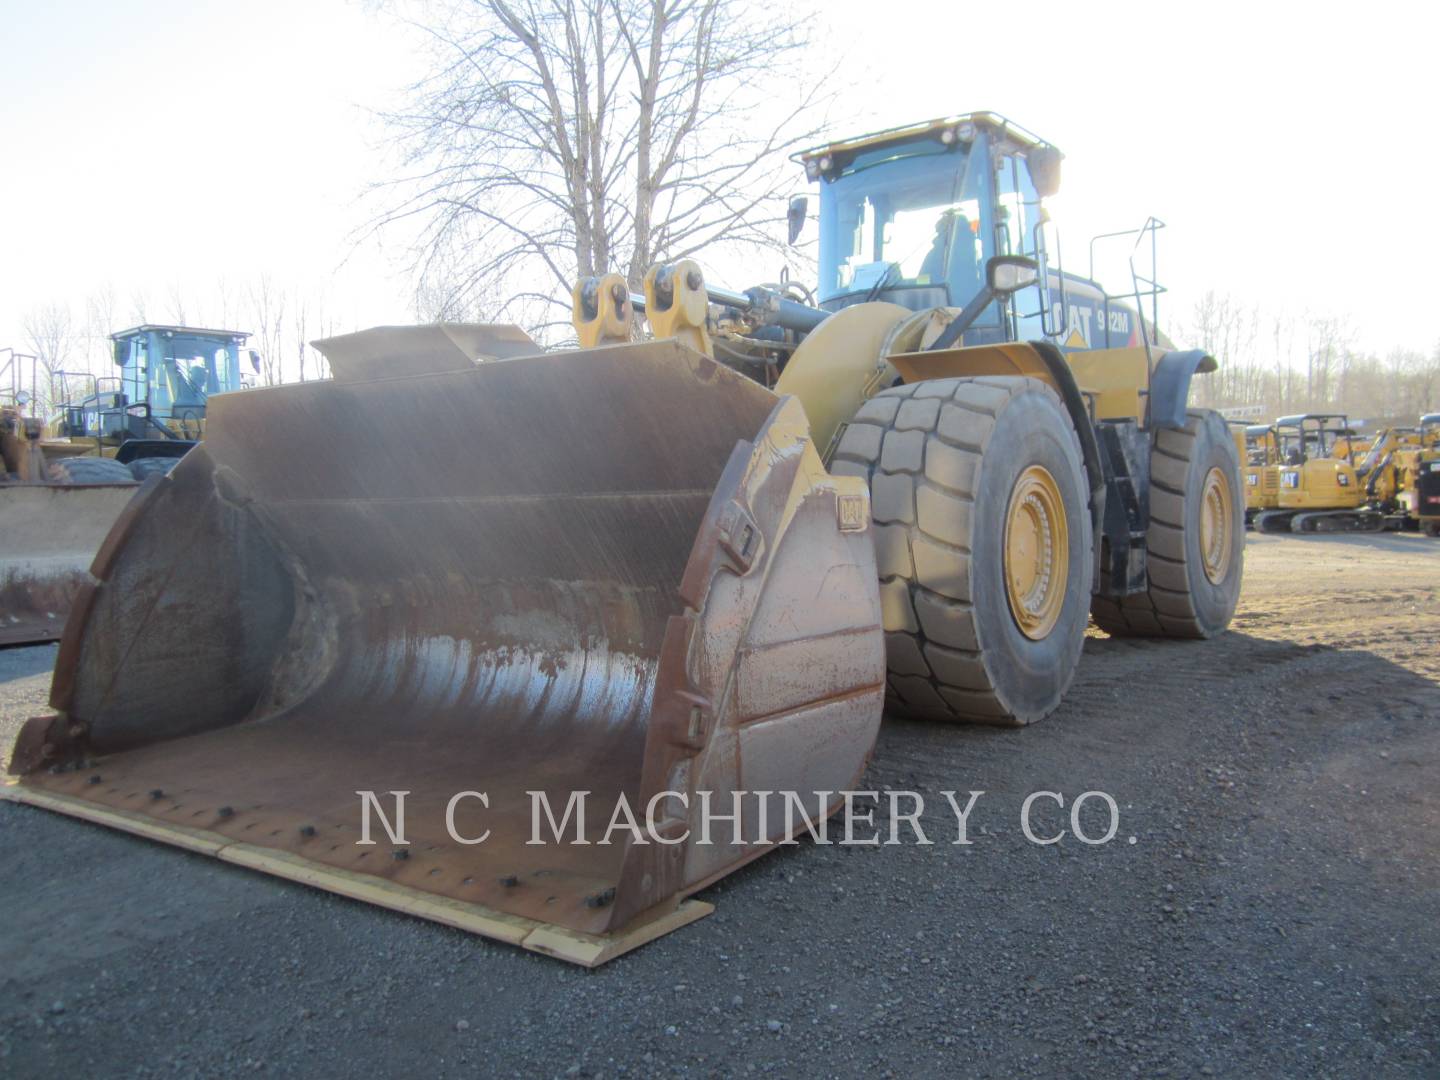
[48, 536]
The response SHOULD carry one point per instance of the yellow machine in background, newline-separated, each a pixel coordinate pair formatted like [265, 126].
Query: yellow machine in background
[66, 478]
[1421, 494]
[1260, 470]
[1324, 485]
[1430, 431]
[55, 508]
[1317, 491]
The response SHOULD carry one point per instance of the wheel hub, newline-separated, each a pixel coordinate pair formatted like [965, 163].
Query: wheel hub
[1037, 553]
[1216, 542]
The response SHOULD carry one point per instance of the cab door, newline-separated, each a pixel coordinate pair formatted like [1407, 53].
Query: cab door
[1017, 215]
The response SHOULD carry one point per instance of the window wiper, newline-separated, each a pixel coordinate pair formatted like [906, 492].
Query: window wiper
[879, 286]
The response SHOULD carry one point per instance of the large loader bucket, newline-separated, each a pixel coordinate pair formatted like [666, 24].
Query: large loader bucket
[48, 536]
[619, 572]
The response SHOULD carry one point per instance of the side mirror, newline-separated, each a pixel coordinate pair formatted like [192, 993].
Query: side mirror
[1006, 274]
[255, 360]
[795, 216]
[1045, 169]
[120, 351]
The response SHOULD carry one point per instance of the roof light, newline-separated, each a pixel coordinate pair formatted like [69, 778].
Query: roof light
[965, 131]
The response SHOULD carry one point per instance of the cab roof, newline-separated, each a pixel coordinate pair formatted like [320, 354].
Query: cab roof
[994, 121]
[1295, 421]
[194, 331]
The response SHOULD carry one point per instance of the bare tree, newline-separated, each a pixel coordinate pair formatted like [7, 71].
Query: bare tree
[176, 301]
[140, 305]
[228, 303]
[298, 313]
[559, 138]
[101, 317]
[325, 326]
[52, 336]
[1230, 332]
[1328, 339]
[267, 307]
[1426, 380]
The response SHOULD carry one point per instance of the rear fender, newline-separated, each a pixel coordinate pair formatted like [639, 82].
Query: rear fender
[1170, 386]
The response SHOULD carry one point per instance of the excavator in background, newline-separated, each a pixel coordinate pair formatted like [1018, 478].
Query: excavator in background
[683, 575]
[1324, 488]
[64, 481]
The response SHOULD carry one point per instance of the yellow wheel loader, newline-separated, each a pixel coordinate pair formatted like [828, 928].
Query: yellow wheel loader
[55, 509]
[65, 480]
[503, 594]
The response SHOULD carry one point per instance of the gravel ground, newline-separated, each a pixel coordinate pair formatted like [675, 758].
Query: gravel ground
[1278, 913]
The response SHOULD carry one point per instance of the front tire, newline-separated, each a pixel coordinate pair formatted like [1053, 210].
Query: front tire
[1196, 537]
[983, 541]
[146, 467]
[89, 470]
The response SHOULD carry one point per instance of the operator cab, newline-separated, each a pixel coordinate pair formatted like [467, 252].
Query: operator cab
[913, 214]
[1260, 443]
[167, 374]
[1430, 430]
[1314, 435]
[175, 369]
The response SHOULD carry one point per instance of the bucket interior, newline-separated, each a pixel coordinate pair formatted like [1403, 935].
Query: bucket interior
[440, 583]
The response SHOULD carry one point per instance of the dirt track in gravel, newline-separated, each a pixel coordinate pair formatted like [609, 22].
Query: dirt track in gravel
[1277, 914]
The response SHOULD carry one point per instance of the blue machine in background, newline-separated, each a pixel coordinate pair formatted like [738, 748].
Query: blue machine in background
[156, 406]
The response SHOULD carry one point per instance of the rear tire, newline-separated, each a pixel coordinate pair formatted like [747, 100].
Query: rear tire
[1196, 545]
[146, 467]
[89, 470]
[955, 466]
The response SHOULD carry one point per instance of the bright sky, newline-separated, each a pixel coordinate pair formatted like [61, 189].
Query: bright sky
[151, 143]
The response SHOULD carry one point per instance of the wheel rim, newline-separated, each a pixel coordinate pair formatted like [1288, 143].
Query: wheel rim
[1037, 553]
[1216, 544]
